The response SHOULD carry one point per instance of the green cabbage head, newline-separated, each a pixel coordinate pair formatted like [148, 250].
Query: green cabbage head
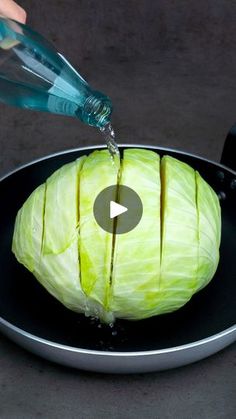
[155, 268]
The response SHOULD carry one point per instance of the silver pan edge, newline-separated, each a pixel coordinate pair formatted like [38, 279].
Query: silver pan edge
[120, 362]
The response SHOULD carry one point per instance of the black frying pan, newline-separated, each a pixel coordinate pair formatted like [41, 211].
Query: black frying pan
[34, 319]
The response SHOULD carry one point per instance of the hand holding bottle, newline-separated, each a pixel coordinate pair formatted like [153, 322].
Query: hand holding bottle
[34, 75]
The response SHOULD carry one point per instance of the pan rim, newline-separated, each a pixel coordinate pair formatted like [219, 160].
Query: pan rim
[74, 349]
[122, 354]
[102, 146]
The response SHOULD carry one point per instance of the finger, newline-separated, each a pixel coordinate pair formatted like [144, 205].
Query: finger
[12, 10]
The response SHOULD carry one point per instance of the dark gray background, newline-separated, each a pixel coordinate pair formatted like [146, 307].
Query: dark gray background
[169, 67]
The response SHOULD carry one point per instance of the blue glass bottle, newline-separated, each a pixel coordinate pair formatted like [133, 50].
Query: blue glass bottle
[33, 75]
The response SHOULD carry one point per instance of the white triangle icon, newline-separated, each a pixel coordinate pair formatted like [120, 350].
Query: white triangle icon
[116, 209]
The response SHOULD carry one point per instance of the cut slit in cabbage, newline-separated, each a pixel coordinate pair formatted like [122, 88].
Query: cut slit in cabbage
[61, 208]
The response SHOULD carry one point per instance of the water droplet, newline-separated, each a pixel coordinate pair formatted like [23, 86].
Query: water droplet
[233, 184]
[221, 196]
[87, 312]
[220, 175]
[114, 332]
[96, 313]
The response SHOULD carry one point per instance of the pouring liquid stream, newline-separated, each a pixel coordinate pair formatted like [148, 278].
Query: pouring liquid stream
[109, 137]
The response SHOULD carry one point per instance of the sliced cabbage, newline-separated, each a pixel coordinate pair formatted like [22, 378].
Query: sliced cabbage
[179, 250]
[61, 216]
[60, 275]
[136, 260]
[209, 231]
[155, 268]
[57, 266]
[97, 173]
[28, 231]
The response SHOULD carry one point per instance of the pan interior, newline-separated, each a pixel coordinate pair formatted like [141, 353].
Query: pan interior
[25, 303]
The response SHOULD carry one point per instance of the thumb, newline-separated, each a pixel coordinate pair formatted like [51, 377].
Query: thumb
[11, 9]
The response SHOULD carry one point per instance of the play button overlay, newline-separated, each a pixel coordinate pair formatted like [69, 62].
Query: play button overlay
[116, 209]
[120, 209]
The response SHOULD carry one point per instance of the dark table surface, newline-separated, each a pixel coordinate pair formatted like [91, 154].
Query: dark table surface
[170, 71]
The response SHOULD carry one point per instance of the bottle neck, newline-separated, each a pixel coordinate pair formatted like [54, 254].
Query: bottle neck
[97, 110]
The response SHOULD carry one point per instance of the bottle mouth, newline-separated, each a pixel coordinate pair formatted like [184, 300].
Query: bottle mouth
[97, 110]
